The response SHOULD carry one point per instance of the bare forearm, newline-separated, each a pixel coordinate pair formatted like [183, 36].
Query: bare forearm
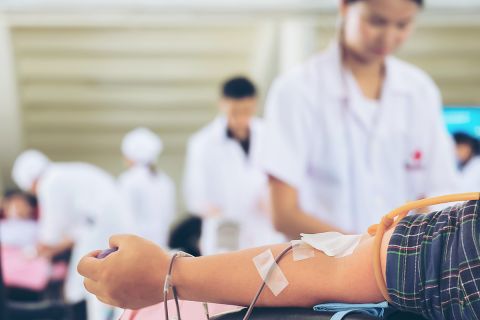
[288, 217]
[133, 276]
[51, 251]
[233, 279]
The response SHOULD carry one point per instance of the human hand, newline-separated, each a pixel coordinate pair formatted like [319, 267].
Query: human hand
[131, 277]
[45, 251]
[50, 251]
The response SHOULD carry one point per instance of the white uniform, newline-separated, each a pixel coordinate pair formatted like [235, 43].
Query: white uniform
[219, 174]
[151, 199]
[351, 159]
[17, 232]
[470, 175]
[82, 202]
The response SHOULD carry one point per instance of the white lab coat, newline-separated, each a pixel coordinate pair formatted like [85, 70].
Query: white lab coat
[351, 165]
[219, 174]
[82, 202]
[470, 175]
[151, 199]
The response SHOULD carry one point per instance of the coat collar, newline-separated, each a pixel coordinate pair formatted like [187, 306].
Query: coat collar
[335, 83]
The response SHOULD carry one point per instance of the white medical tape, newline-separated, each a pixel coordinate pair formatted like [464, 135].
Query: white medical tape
[333, 244]
[302, 250]
[167, 284]
[270, 272]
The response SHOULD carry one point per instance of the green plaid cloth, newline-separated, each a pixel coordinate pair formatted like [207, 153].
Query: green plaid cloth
[433, 263]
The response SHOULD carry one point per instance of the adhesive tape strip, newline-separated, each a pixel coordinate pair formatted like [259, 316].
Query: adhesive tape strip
[270, 272]
[302, 250]
[333, 244]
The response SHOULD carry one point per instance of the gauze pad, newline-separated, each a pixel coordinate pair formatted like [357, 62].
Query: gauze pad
[333, 244]
[270, 272]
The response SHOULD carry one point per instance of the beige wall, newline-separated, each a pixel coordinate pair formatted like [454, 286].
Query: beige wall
[450, 53]
[10, 127]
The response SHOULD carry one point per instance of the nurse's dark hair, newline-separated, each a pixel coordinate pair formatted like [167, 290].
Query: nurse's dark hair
[238, 88]
[15, 193]
[465, 138]
[419, 2]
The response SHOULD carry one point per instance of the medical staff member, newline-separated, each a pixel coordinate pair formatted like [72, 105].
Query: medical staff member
[80, 207]
[354, 132]
[223, 183]
[149, 192]
[468, 161]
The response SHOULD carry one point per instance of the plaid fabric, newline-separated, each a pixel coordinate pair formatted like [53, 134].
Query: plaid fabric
[433, 263]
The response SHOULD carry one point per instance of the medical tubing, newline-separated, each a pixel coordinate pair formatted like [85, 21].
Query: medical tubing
[175, 298]
[205, 308]
[168, 284]
[391, 219]
[254, 301]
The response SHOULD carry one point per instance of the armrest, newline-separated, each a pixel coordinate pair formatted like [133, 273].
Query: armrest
[302, 314]
[284, 314]
[36, 310]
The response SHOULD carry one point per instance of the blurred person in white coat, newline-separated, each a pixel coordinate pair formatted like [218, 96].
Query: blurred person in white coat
[468, 160]
[149, 192]
[354, 132]
[223, 183]
[80, 208]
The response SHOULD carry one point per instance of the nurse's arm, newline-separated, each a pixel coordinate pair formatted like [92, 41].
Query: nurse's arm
[50, 251]
[133, 276]
[287, 215]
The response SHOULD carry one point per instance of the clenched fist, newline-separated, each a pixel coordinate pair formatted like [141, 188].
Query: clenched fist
[131, 277]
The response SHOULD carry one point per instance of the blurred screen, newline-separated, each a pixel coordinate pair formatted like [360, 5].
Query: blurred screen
[463, 119]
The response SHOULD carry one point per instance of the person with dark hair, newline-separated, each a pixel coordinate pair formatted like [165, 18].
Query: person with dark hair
[186, 236]
[222, 183]
[468, 159]
[239, 88]
[355, 131]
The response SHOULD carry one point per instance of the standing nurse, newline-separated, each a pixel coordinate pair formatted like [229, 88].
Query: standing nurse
[355, 132]
[148, 192]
